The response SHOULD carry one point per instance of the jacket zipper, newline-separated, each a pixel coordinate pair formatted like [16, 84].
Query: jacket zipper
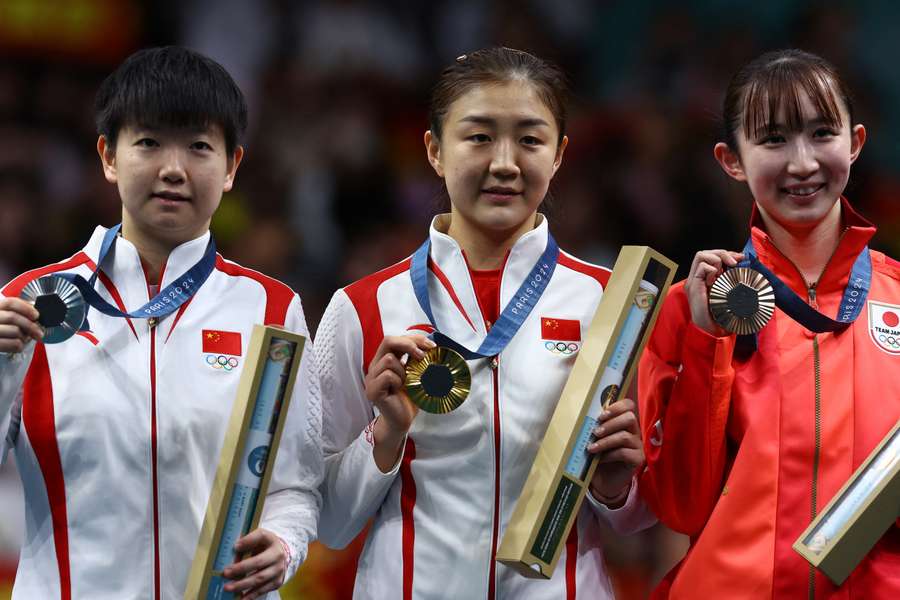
[818, 434]
[151, 322]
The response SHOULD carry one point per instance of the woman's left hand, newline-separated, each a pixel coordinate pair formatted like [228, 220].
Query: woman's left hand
[619, 450]
[263, 570]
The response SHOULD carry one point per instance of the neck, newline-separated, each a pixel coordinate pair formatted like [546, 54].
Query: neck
[485, 250]
[153, 253]
[808, 248]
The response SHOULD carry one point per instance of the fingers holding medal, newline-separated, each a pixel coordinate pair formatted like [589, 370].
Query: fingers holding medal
[707, 266]
[18, 324]
[386, 377]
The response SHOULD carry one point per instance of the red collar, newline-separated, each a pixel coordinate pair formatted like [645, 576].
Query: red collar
[857, 233]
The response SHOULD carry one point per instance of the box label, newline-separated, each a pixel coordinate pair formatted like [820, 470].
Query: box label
[555, 520]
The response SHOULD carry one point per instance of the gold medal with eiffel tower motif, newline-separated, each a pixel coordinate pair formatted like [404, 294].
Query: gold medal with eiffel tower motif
[439, 382]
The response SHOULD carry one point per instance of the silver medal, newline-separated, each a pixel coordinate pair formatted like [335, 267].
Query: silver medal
[61, 306]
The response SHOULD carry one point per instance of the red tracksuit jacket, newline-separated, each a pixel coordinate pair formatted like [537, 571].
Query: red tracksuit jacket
[742, 454]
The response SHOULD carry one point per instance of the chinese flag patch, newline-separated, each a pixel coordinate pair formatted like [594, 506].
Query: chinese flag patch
[221, 342]
[562, 330]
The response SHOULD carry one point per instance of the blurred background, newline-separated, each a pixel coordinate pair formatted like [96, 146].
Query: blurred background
[335, 184]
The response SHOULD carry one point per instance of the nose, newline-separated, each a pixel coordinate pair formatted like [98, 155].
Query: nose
[503, 161]
[172, 168]
[803, 161]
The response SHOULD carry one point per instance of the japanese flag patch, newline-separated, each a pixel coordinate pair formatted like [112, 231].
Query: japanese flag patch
[884, 326]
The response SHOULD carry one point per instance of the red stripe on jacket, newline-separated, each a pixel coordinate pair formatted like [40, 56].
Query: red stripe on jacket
[40, 424]
[447, 286]
[572, 561]
[15, 287]
[364, 296]
[407, 504]
[278, 295]
[601, 274]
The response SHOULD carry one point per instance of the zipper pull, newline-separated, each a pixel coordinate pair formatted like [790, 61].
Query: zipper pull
[151, 322]
[812, 297]
[495, 360]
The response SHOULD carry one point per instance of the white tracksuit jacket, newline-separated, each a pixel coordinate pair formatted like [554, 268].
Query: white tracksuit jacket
[440, 513]
[117, 431]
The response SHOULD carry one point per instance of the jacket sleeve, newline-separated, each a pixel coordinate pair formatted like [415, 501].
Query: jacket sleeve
[354, 486]
[684, 387]
[631, 517]
[293, 501]
[13, 368]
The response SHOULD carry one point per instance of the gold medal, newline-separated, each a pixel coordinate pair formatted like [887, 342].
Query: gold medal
[741, 300]
[439, 382]
[61, 306]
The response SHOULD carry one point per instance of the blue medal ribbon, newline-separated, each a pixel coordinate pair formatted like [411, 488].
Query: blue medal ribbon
[799, 310]
[514, 313]
[795, 307]
[167, 301]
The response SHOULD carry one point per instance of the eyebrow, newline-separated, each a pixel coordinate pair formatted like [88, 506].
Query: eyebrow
[766, 129]
[486, 120]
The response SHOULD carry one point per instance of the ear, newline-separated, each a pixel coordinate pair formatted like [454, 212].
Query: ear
[857, 140]
[559, 153]
[433, 149]
[729, 161]
[107, 159]
[232, 166]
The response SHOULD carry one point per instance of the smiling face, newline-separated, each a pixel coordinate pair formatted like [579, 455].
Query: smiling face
[497, 153]
[796, 174]
[170, 180]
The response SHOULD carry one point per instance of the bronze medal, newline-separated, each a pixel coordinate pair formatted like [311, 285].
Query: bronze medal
[439, 382]
[741, 300]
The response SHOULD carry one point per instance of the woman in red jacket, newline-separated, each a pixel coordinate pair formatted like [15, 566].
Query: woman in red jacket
[748, 439]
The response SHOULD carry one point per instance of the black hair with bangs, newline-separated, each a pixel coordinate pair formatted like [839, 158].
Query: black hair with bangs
[170, 87]
[778, 80]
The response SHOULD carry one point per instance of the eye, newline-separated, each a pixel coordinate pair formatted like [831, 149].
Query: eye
[530, 140]
[147, 143]
[824, 132]
[479, 138]
[772, 139]
[200, 145]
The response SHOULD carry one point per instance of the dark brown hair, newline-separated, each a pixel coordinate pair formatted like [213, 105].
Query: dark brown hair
[499, 65]
[778, 80]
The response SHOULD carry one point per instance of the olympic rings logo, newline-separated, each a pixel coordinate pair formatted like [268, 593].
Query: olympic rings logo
[890, 341]
[561, 347]
[221, 362]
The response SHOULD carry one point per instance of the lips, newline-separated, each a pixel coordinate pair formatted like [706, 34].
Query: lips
[803, 191]
[501, 192]
[170, 196]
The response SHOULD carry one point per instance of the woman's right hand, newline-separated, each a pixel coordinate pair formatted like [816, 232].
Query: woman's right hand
[707, 265]
[18, 324]
[385, 388]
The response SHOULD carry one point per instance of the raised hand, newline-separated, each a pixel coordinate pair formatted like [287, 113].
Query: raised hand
[385, 381]
[707, 265]
[17, 324]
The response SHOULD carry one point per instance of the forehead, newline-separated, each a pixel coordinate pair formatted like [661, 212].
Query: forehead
[508, 100]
